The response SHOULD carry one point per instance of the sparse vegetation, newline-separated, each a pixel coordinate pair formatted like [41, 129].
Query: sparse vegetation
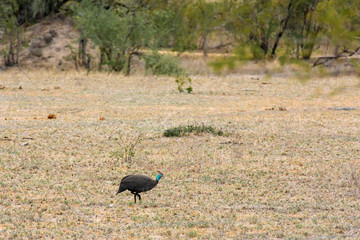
[195, 129]
[181, 80]
[280, 174]
[128, 143]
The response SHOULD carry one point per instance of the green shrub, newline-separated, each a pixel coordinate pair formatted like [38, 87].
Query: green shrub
[159, 64]
[168, 65]
[192, 129]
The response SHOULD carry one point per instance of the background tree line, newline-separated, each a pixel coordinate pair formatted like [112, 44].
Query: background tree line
[254, 29]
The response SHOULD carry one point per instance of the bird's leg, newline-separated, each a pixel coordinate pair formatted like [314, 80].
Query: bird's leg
[134, 195]
[139, 197]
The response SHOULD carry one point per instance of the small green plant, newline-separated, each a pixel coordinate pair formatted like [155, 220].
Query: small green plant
[192, 129]
[128, 145]
[181, 82]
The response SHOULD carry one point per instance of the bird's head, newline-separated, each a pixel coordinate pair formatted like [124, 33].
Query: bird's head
[159, 175]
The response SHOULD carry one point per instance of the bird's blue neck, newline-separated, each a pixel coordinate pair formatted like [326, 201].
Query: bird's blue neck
[158, 177]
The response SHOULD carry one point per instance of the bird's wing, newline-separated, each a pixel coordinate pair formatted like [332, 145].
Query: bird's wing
[138, 183]
[125, 182]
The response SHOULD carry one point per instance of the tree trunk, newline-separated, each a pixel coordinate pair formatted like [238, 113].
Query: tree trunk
[82, 51]
[297, 50]
[264, 45]
[128, 65]
[18, 46]
[273, 51]
[102, 55]
[283, 29]
[9, 56]
[87, 65]
[300, 45]
[205, 47]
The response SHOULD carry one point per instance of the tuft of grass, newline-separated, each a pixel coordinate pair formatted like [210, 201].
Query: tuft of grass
[181, 131]
[192, 234]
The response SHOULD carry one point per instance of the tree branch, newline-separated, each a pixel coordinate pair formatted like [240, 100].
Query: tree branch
[346, 54]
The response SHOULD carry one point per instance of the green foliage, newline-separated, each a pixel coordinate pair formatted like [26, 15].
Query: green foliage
[241, 54]
[192, 129]
[203, 18]
[307, 49]
[104, 28]
[69, 7]
[222, 63]
[165, 23]
[121, 31]
[259, 29]
[181, 80]
[168, 65]
[258, 26]
[257, 52]
[338, 19]
[194, 21]
[304, 28]
[30, 11]
[12, 37]
[159, 64]
[261, 23]
[43, 8]
[283, 60]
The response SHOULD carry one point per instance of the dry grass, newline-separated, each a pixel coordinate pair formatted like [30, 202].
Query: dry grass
[278, 174]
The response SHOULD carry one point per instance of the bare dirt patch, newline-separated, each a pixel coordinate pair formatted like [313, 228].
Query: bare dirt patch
[48, 43]
[276, 174]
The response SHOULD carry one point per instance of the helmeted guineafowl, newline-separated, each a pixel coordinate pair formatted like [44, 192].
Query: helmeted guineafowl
[138, 183]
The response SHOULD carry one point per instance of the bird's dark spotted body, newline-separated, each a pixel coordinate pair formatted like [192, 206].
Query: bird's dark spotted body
[138, 183]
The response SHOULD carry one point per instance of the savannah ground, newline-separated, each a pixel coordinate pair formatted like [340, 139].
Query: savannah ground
[287, 168]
